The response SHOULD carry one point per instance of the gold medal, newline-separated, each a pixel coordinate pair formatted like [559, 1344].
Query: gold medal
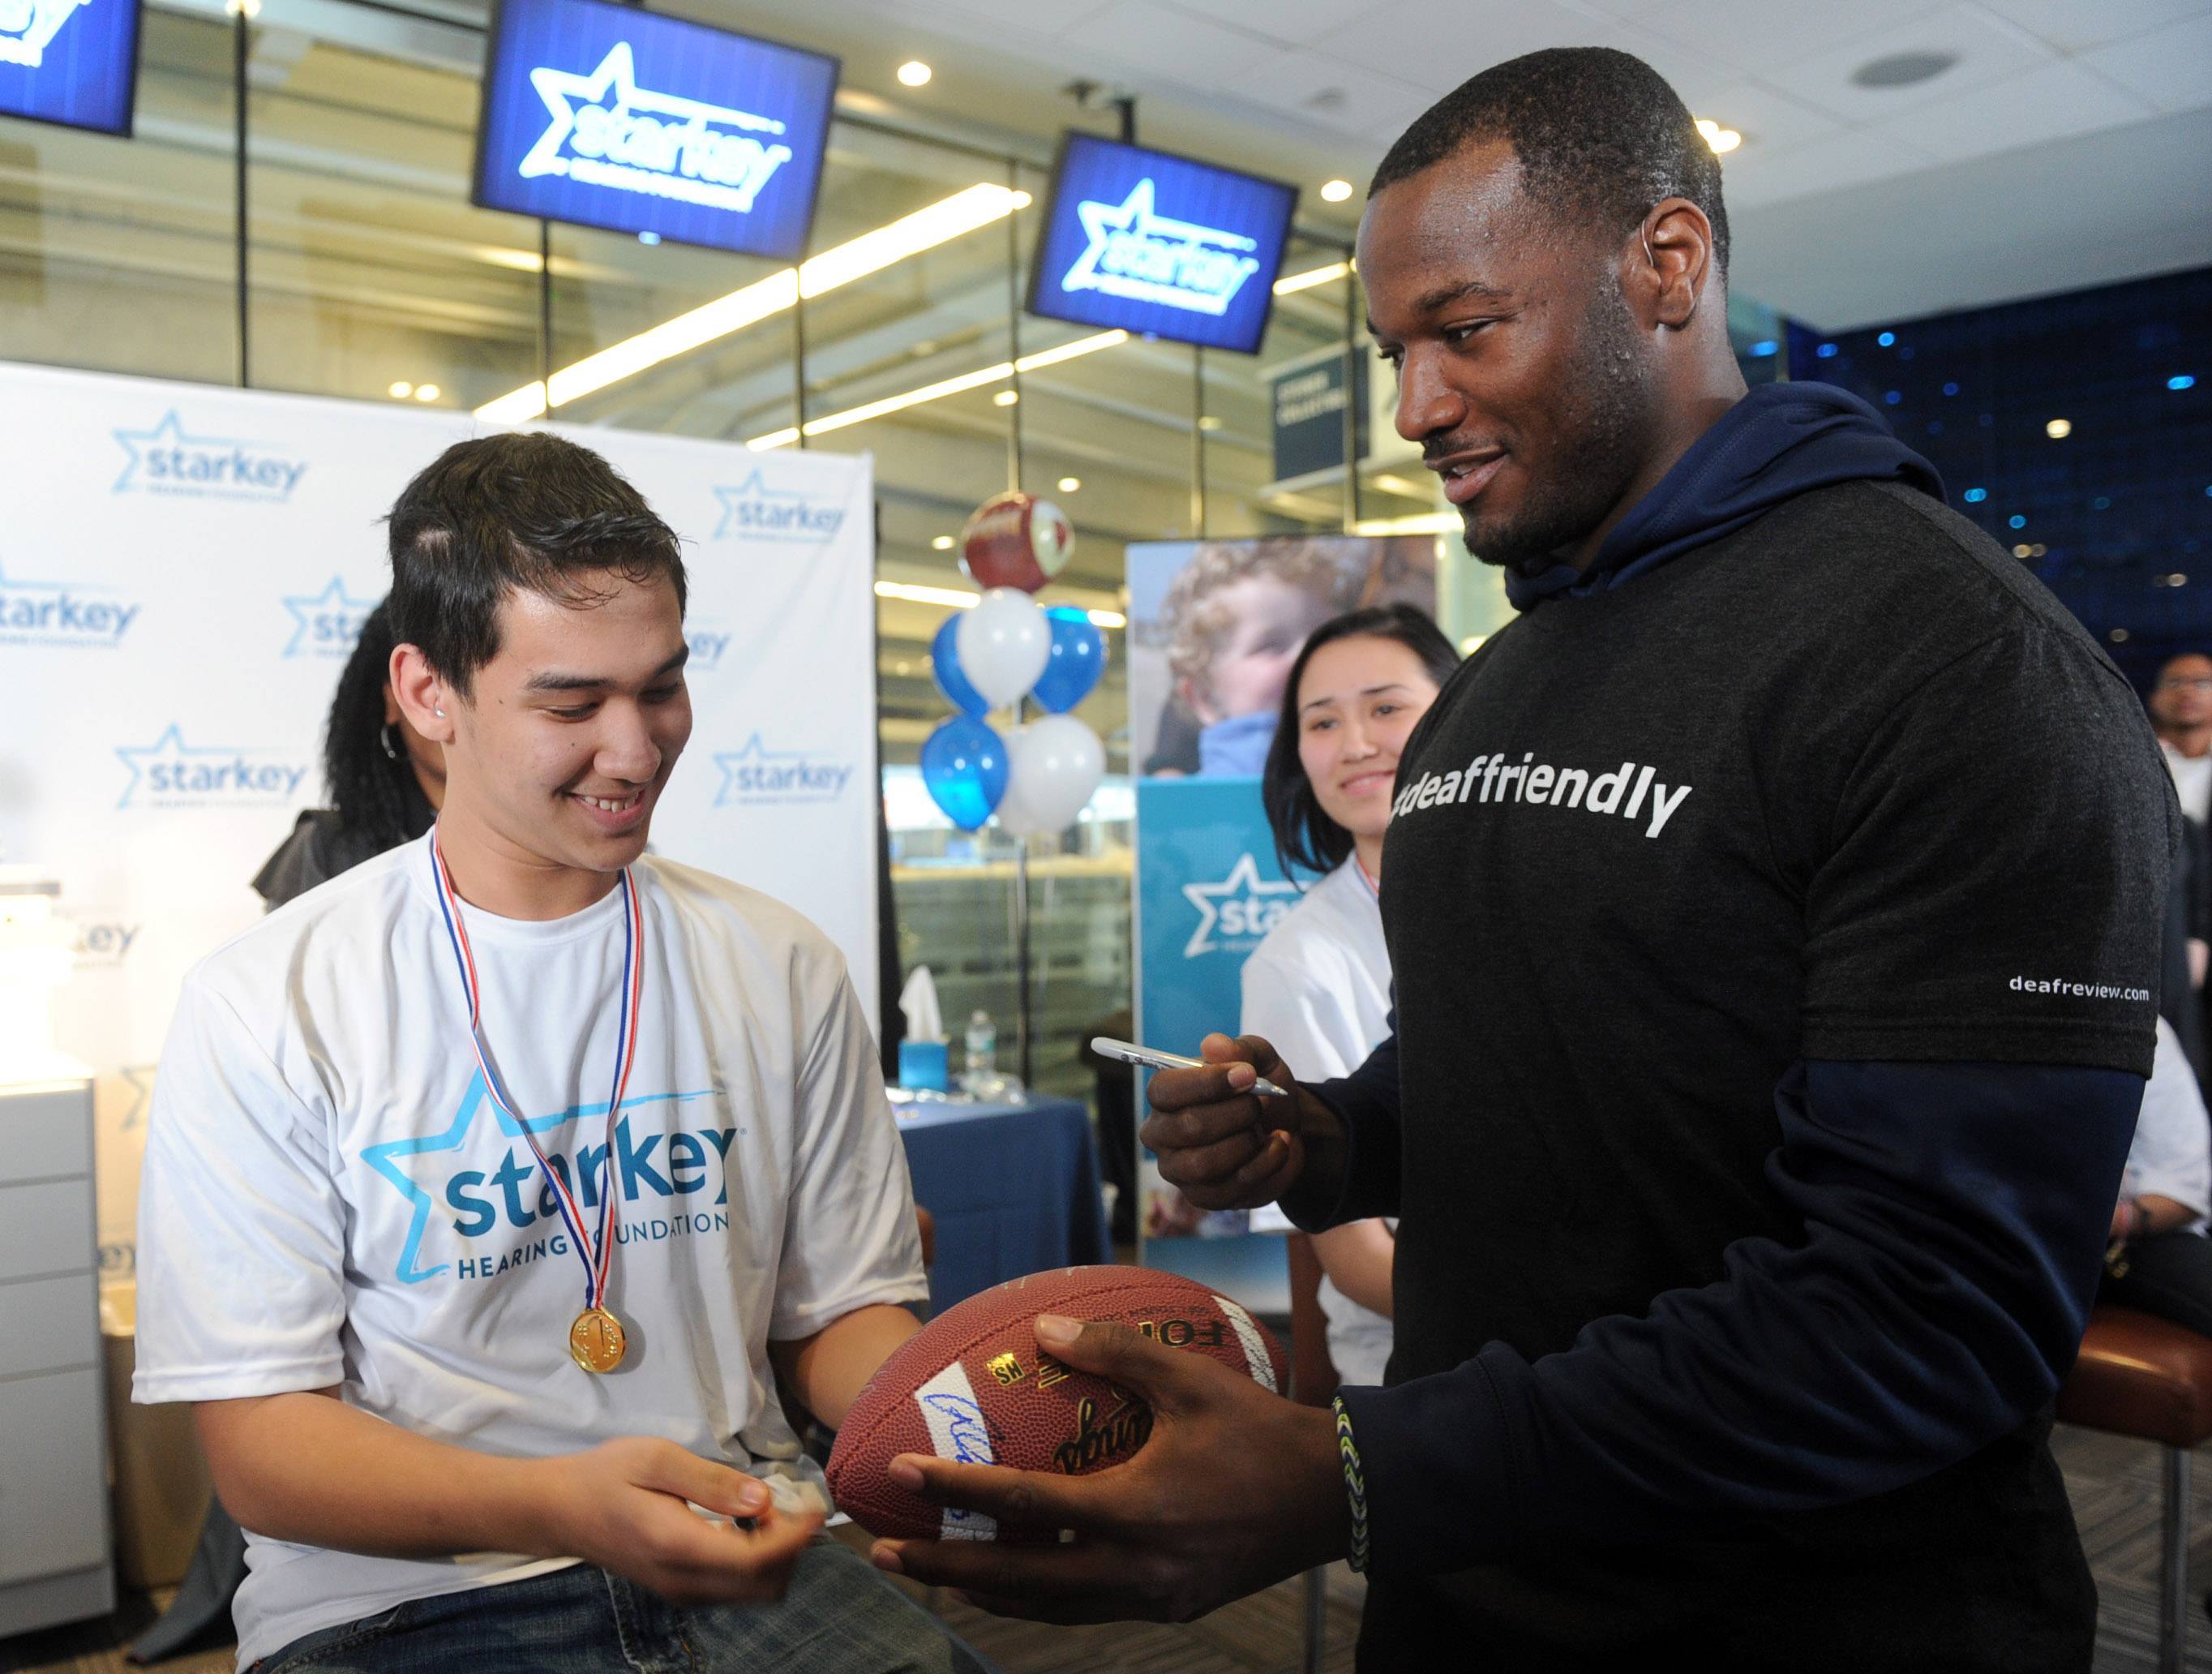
[596, 1341]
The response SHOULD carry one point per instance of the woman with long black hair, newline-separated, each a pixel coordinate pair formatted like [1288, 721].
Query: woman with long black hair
[386, 780]
[1319, 987]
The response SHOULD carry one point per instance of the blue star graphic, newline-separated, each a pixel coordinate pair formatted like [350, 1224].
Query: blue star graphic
[331, 598]
[384, 1157]
[1135, 213]
[752, 749]
[1243, 879]
[617, 72]
[171, 743]
[28, 48]
[140, 1079]
[134, 442]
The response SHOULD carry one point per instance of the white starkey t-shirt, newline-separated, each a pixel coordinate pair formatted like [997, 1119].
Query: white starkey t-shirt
[330, 1199]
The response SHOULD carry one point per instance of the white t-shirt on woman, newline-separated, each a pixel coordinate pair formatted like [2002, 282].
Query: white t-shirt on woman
[330, 1198]
[1318, 989]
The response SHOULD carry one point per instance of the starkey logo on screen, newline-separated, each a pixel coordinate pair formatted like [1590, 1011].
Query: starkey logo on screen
[754, 511]
[607, 131]
[169, 773]
[1142, 256]
[166, 459]
[27, 27]
[671, 1184]
[1236, 913]
[69, 615]
[327, 623]
[754, 774]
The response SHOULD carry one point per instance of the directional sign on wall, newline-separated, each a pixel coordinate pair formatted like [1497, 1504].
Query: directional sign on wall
[1158, 244]
[613, 117]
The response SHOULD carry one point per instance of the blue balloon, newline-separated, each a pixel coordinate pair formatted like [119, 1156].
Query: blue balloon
[944, 664]
[963, 764]
[1078, 660]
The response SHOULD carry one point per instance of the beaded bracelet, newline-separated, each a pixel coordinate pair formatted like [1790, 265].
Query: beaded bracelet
[1355, 1484]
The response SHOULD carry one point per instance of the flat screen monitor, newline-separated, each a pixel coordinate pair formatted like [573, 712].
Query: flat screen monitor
[73, 62]
[610, 116]
[1161, 245]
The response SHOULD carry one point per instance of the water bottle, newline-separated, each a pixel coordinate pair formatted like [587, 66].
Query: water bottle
[983, 1050]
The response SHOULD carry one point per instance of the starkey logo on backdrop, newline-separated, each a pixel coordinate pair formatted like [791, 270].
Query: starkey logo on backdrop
[67, 614]
[608, 131]
[169, 773]
[754, 774]
[166, 459]
[1144, 257]
[326, 623]
[1236, 913]
[673, 1183]
[754, 511]
[27, 27]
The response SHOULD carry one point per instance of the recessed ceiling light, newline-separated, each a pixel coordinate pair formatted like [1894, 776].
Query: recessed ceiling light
[648, 238]
[913, 73]
[1209, 422]
[942, 544]
[1336, 191]
[1005, 398]
[1069, 484]
[426, 392]
[401, 390]
[1722, 140]
[1902, 69]
[2059, 429]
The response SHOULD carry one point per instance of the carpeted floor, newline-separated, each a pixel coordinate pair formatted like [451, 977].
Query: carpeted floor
[2114, 1484]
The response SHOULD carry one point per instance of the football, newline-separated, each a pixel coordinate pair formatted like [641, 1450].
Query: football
[1015, 541]
[972, 1385]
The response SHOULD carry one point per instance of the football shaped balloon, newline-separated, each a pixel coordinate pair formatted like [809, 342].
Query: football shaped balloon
[1016, 540]
[972, 1385]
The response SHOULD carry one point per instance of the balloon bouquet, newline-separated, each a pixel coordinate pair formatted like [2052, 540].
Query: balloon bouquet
[1005, 649]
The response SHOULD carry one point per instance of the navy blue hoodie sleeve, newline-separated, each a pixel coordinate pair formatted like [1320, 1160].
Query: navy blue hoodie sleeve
[1955, 1215]
[1366, 1102]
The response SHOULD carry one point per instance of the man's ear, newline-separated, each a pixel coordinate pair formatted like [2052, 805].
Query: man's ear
[421, 694]
[1672, 263]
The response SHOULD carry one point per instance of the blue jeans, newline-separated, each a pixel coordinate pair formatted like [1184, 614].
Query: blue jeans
[839, 1618]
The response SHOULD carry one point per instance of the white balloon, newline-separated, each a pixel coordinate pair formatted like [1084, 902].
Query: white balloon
[1003, 643]
[1052, 765]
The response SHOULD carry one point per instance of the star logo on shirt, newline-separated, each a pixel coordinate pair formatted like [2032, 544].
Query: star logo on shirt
[1242, 907]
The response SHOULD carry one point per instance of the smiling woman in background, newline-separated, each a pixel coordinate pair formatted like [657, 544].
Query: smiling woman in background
[1319, 986]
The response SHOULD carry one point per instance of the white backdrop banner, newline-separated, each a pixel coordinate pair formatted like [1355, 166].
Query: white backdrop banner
[183, 572]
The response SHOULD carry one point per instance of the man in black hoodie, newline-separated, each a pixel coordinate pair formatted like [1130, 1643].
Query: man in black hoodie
[1774, 907]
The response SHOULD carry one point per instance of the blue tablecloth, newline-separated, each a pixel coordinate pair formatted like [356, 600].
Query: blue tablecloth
[1014, 1189]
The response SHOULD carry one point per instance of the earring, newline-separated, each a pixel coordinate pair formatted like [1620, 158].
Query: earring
[390, 752]
[441, 714]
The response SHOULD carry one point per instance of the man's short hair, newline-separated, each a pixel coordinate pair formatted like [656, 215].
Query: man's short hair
[1600, 136]
[522, 511]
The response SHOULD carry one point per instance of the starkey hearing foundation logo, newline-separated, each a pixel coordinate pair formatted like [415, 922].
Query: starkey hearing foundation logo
[753, 773]
[66, 614]
[1236, 913]
[326, 623]
[671, 1184]
[166, 459]
[608, 131]
[1141, 255]
[169, 773]
[27, 27]
[754, 511]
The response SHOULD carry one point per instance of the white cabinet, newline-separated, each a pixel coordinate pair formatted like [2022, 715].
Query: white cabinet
[53, 1479]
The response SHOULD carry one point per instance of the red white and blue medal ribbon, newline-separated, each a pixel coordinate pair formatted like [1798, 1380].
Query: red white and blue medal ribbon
[595, 1252]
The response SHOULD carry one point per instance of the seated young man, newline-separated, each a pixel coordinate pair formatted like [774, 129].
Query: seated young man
[491, 1185]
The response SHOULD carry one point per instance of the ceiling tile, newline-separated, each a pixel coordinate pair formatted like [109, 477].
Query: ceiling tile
[1766, 119]
[1439, 44]
[2170, 67]
[1987, 50]
[2053, 103]
[1156, 40]
[1330, 92]
[1043, 18]
[1847, 159]
[1296, 22]
[2072, 26]
[1752, 32]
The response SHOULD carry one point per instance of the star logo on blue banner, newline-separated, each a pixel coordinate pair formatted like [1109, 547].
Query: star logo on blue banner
[754, 511]
[755, 773]
[633, 1166]
[651, 143]
[168, 460]
[27, 27]
[1146, 257]
[1241, 909]
[326, 623]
